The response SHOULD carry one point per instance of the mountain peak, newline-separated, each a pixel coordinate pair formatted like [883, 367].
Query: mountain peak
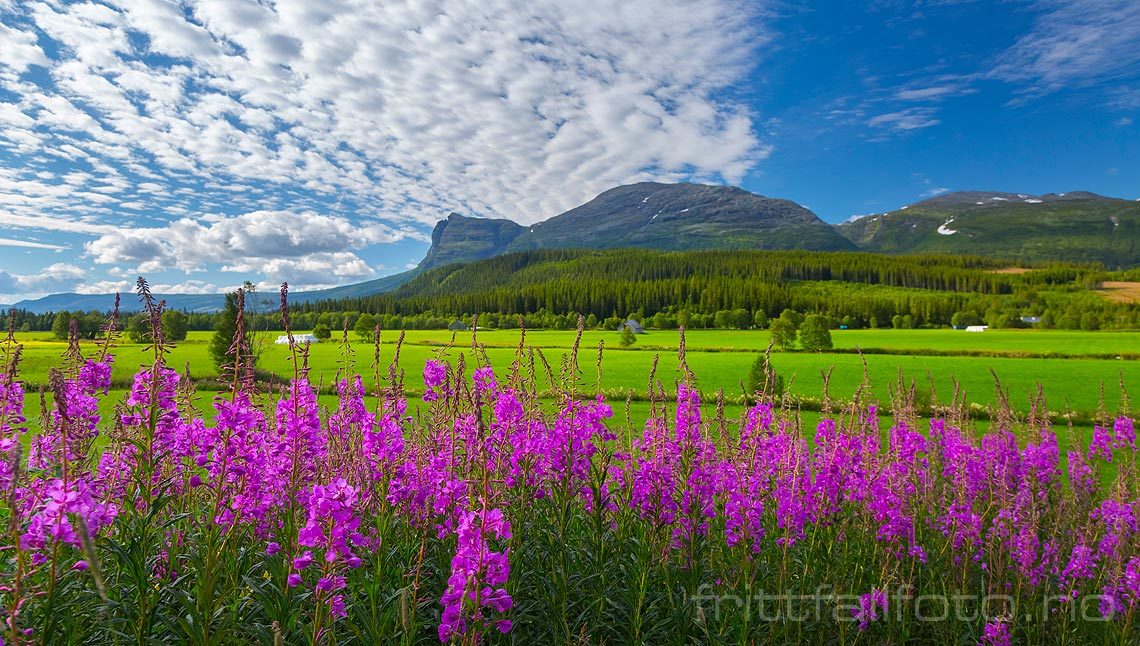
[654, 215]
[459, 238]
[991, 198]
[1075, 226]
[680, 217]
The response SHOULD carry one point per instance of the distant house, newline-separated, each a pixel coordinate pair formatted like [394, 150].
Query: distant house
[1032, 320]
[297, 338]
[977, 328]
[458, 326]
[633, 326]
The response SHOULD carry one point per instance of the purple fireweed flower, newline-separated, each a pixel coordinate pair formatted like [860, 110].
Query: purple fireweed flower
[653, 477]
[95, 376]
[1121, 592]
[909, 448]
[743, 508]
[242, 458]
[50, 519]
[758, 420]
[331, 583]
[1119, 521]
[424, 488]
[698, 499]
[381, 437]
[77, 409]
[383, 445]
[1041, 461]
[1101, 444]
[351, 415]
[785, 459]
[996, 510]
[1110, 606]
[1131, 579]
[1081, 565]
[11, 427]
[303, 561]
[1123, 433]
[996, 633]
[332, 520]
[477, 575]
[177, 443]
[842, 465]
[688, 416]
[871, 606]
[1002, 458]
[484, 380]
[435, 374]
[1082, 479]
[1025, 547]
[9, 449]
[113, 473]
[304, 444]
[1128, 587]
[574, 438]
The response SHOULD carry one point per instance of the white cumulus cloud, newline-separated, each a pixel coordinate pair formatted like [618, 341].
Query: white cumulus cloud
[406, 110]
[58, 276]
[264, 242]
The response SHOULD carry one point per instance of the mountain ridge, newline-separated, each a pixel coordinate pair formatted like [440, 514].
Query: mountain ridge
[670, 217]
[1078, 226]
[1075, 226]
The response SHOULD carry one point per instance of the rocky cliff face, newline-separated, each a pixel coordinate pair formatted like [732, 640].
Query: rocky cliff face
[650, 215]
[458, 238]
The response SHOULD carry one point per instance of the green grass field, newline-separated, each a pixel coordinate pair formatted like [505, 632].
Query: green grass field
[721, 359]
[1060, 342]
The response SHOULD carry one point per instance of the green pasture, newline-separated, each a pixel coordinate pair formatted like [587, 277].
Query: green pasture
[720, 359]
[1038, 342]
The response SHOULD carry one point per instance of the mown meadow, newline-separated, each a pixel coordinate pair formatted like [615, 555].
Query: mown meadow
[496, 491]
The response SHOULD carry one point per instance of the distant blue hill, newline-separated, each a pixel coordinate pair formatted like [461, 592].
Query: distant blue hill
[203, 302]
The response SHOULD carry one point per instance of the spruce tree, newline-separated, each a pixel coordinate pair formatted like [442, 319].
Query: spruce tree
[224, 332]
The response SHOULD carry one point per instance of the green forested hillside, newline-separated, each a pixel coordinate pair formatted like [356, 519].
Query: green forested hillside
[864, 289]
[1073, 227]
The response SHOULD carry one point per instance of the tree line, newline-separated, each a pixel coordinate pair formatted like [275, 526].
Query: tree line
[740, 290]
[701, 289]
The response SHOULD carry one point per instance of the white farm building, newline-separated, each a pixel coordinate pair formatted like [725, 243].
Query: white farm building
[297, 338]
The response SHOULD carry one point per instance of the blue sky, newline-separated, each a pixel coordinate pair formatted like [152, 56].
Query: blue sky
[209, 142]
[876, 105]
